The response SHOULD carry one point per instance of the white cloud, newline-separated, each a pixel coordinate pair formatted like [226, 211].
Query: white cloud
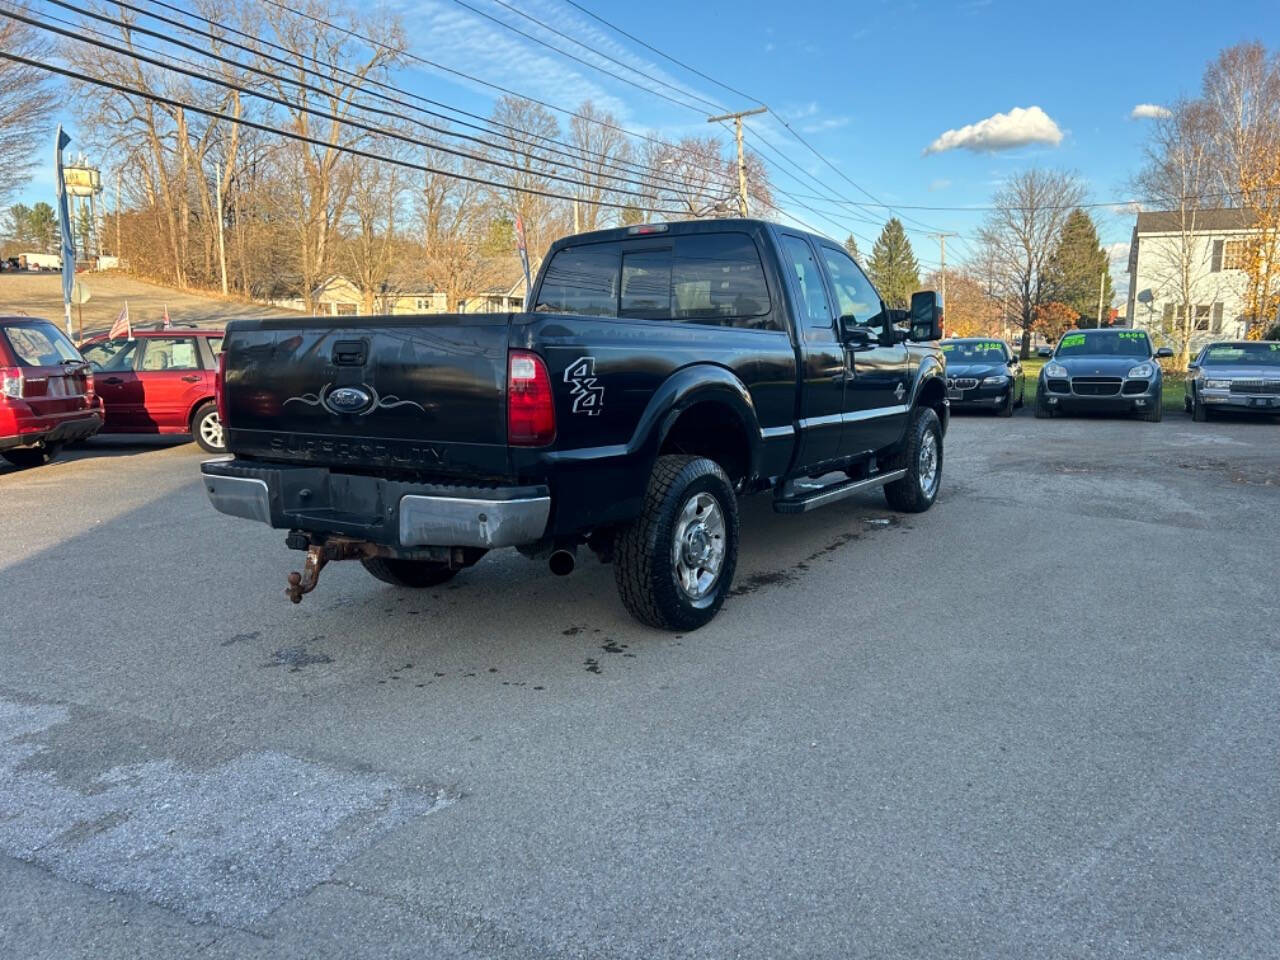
[1148, 111]
[1019, 127]
[828, 123]
[937, 185]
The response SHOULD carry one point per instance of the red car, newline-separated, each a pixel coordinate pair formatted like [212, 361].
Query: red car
[46, 392]
[160, 381]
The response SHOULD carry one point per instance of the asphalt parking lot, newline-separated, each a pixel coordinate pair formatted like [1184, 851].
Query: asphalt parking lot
[1042, 719]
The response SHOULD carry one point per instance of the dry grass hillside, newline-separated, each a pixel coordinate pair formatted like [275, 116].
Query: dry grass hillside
[40, 295]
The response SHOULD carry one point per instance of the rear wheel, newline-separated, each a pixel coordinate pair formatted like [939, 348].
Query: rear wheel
[408, 573]
[32, 457]
[922, 459]
[206, 428]
[674, 563]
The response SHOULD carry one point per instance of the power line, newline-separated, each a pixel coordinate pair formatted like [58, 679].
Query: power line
[280, 101]
[302, 138]
[572, 152]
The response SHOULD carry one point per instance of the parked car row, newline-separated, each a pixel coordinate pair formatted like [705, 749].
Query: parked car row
[1113, 370]
[154, 381]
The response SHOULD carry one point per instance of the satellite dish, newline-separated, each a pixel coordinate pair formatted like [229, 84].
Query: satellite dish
[80, 293]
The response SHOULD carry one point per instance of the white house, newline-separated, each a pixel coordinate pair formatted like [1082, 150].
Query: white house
[1206, 248]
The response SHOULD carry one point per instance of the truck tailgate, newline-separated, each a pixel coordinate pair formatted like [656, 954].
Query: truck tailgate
[421, 393]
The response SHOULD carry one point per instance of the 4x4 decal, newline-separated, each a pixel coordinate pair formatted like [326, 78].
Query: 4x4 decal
[588, 396]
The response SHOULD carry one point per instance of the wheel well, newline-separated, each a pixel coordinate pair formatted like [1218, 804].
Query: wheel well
[195, 408]
[934, 394]
[714, 431]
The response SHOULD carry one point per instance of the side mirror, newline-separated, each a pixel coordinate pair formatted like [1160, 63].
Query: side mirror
[1164, 352]
[1045, 352]
[855, 334]
[926, 316]
[1012, 361]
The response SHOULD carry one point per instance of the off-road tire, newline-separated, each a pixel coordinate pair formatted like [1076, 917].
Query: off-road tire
[32, 457]
[1043, 410]
[408, 573]
[642, 552]
[907, 495]
[1006, 408]
[1155, 413]
[204, 412]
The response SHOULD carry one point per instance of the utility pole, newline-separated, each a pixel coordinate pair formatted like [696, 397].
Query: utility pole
[1102, 279]
[577, 220]
[222, 244]
[942, 245]
[742, 162]
[118, 255]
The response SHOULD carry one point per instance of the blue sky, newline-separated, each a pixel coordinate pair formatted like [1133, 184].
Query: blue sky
[871, 85]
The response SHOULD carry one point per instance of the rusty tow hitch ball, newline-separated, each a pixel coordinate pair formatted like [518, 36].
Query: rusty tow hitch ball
[305, 582]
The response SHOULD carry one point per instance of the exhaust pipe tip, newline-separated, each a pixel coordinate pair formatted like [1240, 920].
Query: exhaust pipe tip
[562, 562]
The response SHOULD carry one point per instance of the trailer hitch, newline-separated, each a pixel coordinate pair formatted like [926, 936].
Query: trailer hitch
[305, 582]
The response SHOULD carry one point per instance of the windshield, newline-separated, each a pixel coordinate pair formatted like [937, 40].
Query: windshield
[975, 351]
[1242, 354]
[1105, 343]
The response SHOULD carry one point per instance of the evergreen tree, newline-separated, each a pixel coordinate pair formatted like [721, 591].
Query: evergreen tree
[894, 270]
[1071, 275]
[851, 247]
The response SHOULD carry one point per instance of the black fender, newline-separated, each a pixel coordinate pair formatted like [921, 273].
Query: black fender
[930, 369]
[694, 384]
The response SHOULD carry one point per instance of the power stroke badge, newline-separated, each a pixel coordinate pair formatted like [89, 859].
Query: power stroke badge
[588, 396]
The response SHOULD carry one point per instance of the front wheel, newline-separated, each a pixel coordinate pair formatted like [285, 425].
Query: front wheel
[1199, 413]
[1043, 410]
[674, 563]
[408, 573]
[1155, 413]
[206, 428]
[1006, 408]
[33, 456]
[922, 459]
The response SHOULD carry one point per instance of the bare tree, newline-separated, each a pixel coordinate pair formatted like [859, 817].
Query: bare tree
[334, 62]
[373, 246]
[528, 152]
[1019, 235]
[603, 152]
[26, 104]
[1241, 98]
[1176, 178]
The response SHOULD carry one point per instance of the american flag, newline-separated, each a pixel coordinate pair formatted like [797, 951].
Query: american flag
[122, 328]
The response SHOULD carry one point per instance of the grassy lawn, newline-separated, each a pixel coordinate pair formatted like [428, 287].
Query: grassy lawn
[1175, 384]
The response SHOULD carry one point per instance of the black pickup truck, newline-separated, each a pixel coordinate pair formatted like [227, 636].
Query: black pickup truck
[664, 371]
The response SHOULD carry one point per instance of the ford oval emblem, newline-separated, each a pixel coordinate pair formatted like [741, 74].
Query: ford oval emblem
[348, 400]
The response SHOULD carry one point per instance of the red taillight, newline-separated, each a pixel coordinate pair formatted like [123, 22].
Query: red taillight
[88, 382]
[220, 388]
[10, 383]
[531, 411]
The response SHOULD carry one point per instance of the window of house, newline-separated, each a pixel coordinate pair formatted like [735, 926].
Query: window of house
[1202, 316]
[1235, 255]
[581, 280]
[346, 309]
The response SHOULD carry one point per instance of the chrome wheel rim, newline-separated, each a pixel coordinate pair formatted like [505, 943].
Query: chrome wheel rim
[697, 549]
[211, 430]
[928, 463]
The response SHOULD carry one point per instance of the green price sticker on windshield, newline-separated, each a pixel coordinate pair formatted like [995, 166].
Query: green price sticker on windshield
[989, 345]
[1074, 340]
[948, 348]
[1275, 347]
[1132, 335]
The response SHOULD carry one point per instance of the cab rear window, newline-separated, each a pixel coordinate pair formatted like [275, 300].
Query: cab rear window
[714, 279]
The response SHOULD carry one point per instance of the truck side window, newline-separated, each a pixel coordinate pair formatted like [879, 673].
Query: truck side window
[716, 278]
[646, 285]
[855, 295]
[809, 277]
[581, 280]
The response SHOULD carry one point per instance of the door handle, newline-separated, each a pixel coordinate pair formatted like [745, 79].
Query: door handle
[191, 378]
[113, 380]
